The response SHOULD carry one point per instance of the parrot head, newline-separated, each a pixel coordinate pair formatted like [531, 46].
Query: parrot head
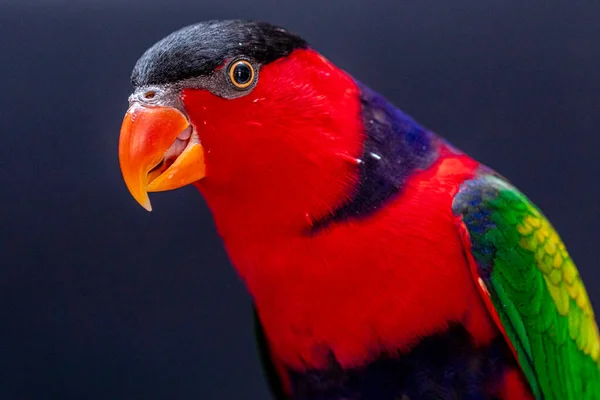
[248, 113]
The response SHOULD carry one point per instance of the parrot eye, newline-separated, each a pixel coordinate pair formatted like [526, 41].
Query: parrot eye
[241, 74]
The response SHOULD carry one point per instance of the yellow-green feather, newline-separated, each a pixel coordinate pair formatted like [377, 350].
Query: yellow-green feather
[535, 287]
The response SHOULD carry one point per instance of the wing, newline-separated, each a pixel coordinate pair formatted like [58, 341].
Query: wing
[532, 288]
[270, 369]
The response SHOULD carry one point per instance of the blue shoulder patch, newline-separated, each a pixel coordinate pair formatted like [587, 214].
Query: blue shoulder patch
[394, 147]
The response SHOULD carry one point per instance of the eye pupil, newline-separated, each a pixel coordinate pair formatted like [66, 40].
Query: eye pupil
[242, 73]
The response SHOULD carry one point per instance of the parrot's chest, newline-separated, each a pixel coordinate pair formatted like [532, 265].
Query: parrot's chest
[356, 299]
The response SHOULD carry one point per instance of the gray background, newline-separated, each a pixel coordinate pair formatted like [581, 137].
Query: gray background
[101, 300]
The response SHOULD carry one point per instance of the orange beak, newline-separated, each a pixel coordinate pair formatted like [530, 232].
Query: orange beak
[158, 151]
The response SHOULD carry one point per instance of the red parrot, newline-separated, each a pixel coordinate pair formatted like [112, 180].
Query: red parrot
[384, 264]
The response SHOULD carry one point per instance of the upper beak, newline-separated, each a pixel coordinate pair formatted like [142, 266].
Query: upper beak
[158, 150]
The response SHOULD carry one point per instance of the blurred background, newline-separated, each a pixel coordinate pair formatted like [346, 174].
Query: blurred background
[101, 300]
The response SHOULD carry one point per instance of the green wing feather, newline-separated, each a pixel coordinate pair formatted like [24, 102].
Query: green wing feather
[535, 288]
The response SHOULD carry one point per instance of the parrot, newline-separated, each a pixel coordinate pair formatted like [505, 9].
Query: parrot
[383, 263]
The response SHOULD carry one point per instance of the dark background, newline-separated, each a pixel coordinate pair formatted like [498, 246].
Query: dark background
[101, 300]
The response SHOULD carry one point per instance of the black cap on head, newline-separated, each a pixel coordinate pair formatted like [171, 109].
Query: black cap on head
[197, 50]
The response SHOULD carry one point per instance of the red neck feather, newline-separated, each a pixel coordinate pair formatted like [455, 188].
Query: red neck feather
[280, 154]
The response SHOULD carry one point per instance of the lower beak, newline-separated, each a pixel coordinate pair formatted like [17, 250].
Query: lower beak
[158, 151]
